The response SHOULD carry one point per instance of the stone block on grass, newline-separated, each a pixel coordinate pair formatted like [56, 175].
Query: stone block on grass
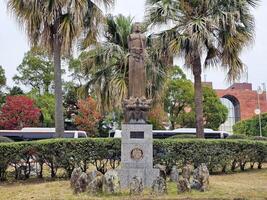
[136, 186]
[174, 176]
[111, 182]
[76, 173]
[183, 185]
[81, 183]
[159, 186]
[96, 185]
[201, 178]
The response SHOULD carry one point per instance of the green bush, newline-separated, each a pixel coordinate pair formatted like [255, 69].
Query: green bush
[5, 139]
[217, 154]
[244, 137]
[183, 136]
[237, 136]
[66, 154]
[59, 153]
[259, 138]
[251, 126]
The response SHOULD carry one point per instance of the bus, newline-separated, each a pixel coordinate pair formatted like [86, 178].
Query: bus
[32, 133]
[162, 134]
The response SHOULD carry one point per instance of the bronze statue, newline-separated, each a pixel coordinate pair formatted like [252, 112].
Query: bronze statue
[137, 71]
[137, 106]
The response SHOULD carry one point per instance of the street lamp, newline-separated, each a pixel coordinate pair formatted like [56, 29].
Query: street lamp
[258, 110]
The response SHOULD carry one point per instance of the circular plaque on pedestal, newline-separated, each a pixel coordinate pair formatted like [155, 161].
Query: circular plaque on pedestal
[137, 154]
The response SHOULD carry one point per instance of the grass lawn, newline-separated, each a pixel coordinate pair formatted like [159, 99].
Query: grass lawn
[251, 184]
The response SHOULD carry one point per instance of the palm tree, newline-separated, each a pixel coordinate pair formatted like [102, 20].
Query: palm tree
[56, 25]
[106, 65]
[213, 32]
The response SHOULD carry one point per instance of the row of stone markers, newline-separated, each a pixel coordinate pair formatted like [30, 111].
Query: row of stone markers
[95, 182]
[199, 181]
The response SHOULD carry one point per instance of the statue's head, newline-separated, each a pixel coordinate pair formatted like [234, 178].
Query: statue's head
[137, 27]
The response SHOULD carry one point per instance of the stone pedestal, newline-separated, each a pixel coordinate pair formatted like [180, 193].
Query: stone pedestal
[137, 154]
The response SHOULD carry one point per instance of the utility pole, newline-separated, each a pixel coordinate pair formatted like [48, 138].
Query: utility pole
[258, 110]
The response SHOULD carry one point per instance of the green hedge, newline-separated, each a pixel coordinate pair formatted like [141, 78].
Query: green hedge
[183, 136]
[217, 154]
[238, 136]
[105, 153]
[59, 153]
[5, 139]
[251, 127]
[245, 137]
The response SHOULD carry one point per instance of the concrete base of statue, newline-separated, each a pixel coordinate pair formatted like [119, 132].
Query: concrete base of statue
[137, 155]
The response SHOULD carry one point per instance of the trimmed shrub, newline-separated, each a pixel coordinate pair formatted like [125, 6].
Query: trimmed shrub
[217, 154]
[66, 154]
[244, 137]
[5, 139]
[251, 127]
[183, 136]
[238, 136]
[259, 138]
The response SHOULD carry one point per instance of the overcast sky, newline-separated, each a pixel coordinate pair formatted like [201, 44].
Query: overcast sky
[13, 43]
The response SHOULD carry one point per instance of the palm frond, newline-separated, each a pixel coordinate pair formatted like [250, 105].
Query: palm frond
[217, 30]
[70, 19]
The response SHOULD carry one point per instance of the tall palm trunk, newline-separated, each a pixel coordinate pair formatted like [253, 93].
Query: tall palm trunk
[196, 64]
[59, 120]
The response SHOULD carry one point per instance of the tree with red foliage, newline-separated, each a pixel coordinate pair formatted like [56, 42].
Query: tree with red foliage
[19, 112]
[88, 116]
